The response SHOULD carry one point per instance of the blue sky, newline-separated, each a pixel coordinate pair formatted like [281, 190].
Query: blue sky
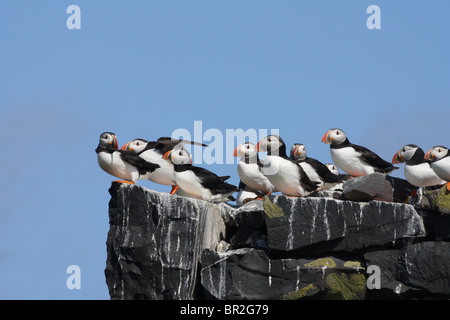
[143, 69]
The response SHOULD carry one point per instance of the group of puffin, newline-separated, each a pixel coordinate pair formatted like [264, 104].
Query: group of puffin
[166, 162]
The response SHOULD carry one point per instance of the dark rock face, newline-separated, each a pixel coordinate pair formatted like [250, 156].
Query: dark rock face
[155, 241]
[377, 186]
[169, 247]
[339, 225]
[251, 274]
[416, 270]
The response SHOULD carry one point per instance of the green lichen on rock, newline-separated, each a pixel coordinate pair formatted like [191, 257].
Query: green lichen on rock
[443, 200]
[354, 265]
[271, 209]
[320, 263]
[344, 287]
[298, 294]
[438, 200]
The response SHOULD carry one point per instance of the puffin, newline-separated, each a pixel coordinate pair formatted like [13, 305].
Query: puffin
[246, 194]
[284, 173]
[334, 169]
[198, 181]
[316, 170]
[440, 162]
[125, 165]
[418, 170]
[354, 159]
[153, 152]
[248, 168]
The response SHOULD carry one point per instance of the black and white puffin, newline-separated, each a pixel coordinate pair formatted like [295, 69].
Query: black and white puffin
[440, 162]
[353, 159]
[153, 152]
[125, 165]
[316, 170]
[198, 181]
[334, 169]
[248, 168]
[284, 173]
[418, 170]
[246, 194]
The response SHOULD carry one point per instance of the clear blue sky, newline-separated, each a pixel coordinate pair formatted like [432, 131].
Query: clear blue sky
[146, 68]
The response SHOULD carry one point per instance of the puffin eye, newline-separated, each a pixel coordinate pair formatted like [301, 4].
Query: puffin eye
[248, 147]
[337, 133]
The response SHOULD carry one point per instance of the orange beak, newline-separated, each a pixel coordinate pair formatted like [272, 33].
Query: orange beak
[396, 157]
[325, 137]
[257, 146]
[235, 152]
[124, 147]
[428, 155]
[166, 155]
[115, 142]
[296, 151]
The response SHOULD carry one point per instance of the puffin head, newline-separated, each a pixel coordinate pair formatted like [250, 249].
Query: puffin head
[298, 151]
[405, 154]
[136, 145]
[246, 149]
[178, 156]
[332, 167]
[334, 136]
[436, 153]
[109, 141]
[270, 143]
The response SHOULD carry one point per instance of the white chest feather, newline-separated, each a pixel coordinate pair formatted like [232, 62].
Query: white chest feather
[422, 175]
[252, 177]
[190, 183]
[442, 168]
[350, 161]
[114, 165]
[284, 175]
[165, 173]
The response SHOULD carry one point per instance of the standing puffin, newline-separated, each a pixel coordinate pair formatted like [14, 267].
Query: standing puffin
[418, 170]
[248, 168]
[197, 181]
[153, 152]
[440, 162]
[316, 170]
[124, 165]
[353, 159]
[284, 173]
[246, 194]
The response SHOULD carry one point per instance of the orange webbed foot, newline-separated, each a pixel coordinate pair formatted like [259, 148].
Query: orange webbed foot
[174, 189]
[124, 181]
[448, 186]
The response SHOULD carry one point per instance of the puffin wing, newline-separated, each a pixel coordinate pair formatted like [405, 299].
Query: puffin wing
[373, 159]
[135, 160]
[213, 182]
[323, 171]
[307, 184]
[166, 144]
